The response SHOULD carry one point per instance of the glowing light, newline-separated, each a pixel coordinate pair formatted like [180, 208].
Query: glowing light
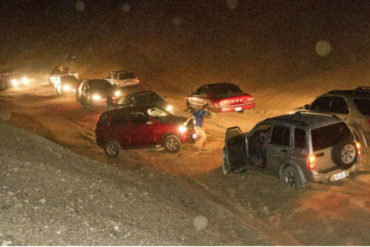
[169, 108]
[323, 48]
[182, 129]
[117, 93]
[25, 80]
[80, 5]
[15, 83]
[96, 97]
[232, 4]
[66, 88]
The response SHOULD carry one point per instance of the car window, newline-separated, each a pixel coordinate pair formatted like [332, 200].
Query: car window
[300, 138]
[339, 105]
[202, 91]
[225, 90]
[280, 136]
[100, 85]
[327, 136]
[138, 118]
[321, 104]
[128, 75]
[157, 113]
[118, 119]
[102, 120]
[363, 106]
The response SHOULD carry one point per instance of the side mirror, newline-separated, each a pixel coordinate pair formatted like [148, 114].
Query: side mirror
[306, 107]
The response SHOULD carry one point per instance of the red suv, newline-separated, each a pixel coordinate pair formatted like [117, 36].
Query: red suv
[221, 97]
[136, 127]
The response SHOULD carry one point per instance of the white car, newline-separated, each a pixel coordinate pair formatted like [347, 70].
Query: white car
[122, 78]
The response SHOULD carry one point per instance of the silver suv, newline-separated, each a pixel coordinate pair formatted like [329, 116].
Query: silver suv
[353, 106]
[299, 148]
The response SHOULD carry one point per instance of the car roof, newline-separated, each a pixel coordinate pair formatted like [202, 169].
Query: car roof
[122, 71]
[306, 119]
[92, 80]
[358, 92]
[219, 84]
[131, 109]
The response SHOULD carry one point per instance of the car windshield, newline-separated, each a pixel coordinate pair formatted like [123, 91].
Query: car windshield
[225, 90]
[128, 75]
[330, 135]
[100, 85]
[158, 113]
[363, 106]
[69, 79]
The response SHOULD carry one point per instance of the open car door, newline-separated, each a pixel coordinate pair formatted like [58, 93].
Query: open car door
[235, 156]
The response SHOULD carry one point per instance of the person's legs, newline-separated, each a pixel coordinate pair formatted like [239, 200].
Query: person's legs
[201, 136]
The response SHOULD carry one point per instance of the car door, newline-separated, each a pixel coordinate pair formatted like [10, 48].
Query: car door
[121, 129]
[235, 155]
[278, 147]
[143, 129]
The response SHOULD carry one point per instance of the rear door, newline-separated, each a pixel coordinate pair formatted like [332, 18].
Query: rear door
[235, 148]
[278, 148]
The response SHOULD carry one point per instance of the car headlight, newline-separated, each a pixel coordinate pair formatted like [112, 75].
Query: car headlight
[194, 136]
[169, 108]
[96, 97]
[15, 83]
[25, 80]
[67, 88]
[117, 93]
[182, 129]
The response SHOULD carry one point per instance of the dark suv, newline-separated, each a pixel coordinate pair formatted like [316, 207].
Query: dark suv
[145, 126]
[299, 148]
[353, 106]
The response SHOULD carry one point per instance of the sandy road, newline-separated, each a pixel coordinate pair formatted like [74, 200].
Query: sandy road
[335, 213]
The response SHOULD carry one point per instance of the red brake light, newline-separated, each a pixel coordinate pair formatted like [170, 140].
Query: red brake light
[311, 162]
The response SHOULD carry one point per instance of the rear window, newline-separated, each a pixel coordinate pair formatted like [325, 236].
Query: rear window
[102, 120]
[125, 76]
[363, 106]
[100, 85]
[299, 138]
[329, 135]
[280, 136]
[225, 90]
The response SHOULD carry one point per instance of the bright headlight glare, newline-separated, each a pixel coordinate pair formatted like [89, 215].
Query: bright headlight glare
[25, 80]
[182, 129]
[66, 87]
[169, 108]
[14, 83]
[117, 93]
[96, 97]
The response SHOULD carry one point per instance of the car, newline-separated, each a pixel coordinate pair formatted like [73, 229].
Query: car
[9, 78]
[142, 126]
[123, 78]
[143, 98]
[66, 84]
[299, 148]
[353, 106]
[221, 97]
[96, 92]
[5, 76]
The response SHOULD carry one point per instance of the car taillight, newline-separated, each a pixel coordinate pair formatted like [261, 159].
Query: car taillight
[311, 162]
[358, 146]
[368, 121]
[97, 119]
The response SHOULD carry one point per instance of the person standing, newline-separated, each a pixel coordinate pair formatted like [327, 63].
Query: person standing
[199, 125]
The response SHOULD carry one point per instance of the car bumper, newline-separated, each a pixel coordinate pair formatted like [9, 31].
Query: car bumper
[336, 174]
[237, 108]
[188, 136]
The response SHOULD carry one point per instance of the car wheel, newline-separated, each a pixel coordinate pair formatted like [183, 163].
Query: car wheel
[172, 144]
[290, 177]
[112, 149]
[345, 154]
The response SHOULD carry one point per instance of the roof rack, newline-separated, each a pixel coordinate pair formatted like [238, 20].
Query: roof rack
[317, 113]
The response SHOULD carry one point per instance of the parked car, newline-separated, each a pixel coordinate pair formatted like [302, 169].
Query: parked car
[57, 72]
[5, 77]
[122, 78]
[9, 78]
[66, 84]
[221, 97]
[299, 148]
[353, 106]
[144, 126]
[96, 92]
[143, 98]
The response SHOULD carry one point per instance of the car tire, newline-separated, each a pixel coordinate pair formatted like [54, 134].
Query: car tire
[172, 144]
[112, 149]
[345, 154]
[290, 177]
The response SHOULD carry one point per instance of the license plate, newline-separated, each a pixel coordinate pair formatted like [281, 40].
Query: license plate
[339, 176]
[238, 109]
